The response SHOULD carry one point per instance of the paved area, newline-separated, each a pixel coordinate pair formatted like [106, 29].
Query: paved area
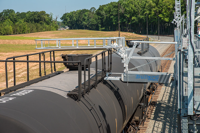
[164, 116]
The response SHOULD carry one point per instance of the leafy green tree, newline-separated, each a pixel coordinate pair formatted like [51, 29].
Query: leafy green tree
[25, 22]
[7, 27]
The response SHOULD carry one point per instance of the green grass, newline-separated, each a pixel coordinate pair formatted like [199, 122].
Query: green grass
[19, 38]
[5, 48]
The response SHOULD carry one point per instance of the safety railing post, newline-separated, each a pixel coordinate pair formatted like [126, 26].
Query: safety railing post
[41, 44]
[27, 68]
[44, 64]
[59, 44]
[40, 73]
[102, 70]
[96, 66]
[79, 80]
[108, 60]
[6, 72]
[73, 43]
[14, 73]
[51, 62]
[104, 64]
[109, 42]
[104, 43]
[88, 42]
[89, 60]
[95, 43]
[85, 75]
[54, 58]
[111, 60]
[77, 43]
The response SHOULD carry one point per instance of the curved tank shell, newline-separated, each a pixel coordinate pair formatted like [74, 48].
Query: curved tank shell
[44, 107]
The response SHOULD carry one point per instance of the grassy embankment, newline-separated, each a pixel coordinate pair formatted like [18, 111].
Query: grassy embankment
[21, 44]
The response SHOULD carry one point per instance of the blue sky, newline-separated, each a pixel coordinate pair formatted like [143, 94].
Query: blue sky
[57, 7]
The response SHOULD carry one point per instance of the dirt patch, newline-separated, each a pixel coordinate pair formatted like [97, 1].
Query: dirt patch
[30, 42]
[80, 33]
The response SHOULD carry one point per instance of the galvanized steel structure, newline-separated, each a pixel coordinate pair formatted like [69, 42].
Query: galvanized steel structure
[146, 62]
[187, 76]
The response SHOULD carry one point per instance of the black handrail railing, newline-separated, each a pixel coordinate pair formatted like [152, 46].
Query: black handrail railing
[40, 61]
[40, 65]
[103, 70]
[7, 90]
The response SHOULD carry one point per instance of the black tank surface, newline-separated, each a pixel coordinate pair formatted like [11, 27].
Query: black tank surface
[44, 107]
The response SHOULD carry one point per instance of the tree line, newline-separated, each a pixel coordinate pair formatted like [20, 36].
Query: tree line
[134, 16]
[12, 22]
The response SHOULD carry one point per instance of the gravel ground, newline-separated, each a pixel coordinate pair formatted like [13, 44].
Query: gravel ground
[164, 116]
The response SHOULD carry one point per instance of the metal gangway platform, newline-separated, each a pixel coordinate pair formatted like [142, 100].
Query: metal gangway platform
[118, 45]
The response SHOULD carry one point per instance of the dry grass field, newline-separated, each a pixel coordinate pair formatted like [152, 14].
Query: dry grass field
[21, 44]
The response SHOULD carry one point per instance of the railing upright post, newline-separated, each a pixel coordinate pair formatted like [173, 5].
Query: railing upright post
[89, 60]
[111, 60]
[40, 73]
[79, 80]
[77, 43]
[14, 74]
[59, 44]
[88, 42]
[124, 42]
[104, 43]
[85, 75]
[44, 64]
[6, 71]
[51, 62]
[54, 59]
[95, 43]
[96, 72]
[73, 43]
[108, 60]
[109, 42]
[27, 68]
[102, 65]
[104, 59]
[41, 44]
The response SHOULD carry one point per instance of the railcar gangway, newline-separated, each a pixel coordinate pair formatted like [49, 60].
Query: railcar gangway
[126, 54]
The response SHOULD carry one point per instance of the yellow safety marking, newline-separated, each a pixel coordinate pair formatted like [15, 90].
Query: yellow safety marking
[116, 124]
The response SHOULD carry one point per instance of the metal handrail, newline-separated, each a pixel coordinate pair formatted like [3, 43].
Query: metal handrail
[101, 38]
[96, 67]
[120, 42]
[34, 61]
[154, 42]
[128, 57]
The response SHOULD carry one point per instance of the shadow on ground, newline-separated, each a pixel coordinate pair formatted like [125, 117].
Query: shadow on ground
[165, 116]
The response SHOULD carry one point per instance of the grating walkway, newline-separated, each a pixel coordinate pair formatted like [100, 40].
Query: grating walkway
[164, 116]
